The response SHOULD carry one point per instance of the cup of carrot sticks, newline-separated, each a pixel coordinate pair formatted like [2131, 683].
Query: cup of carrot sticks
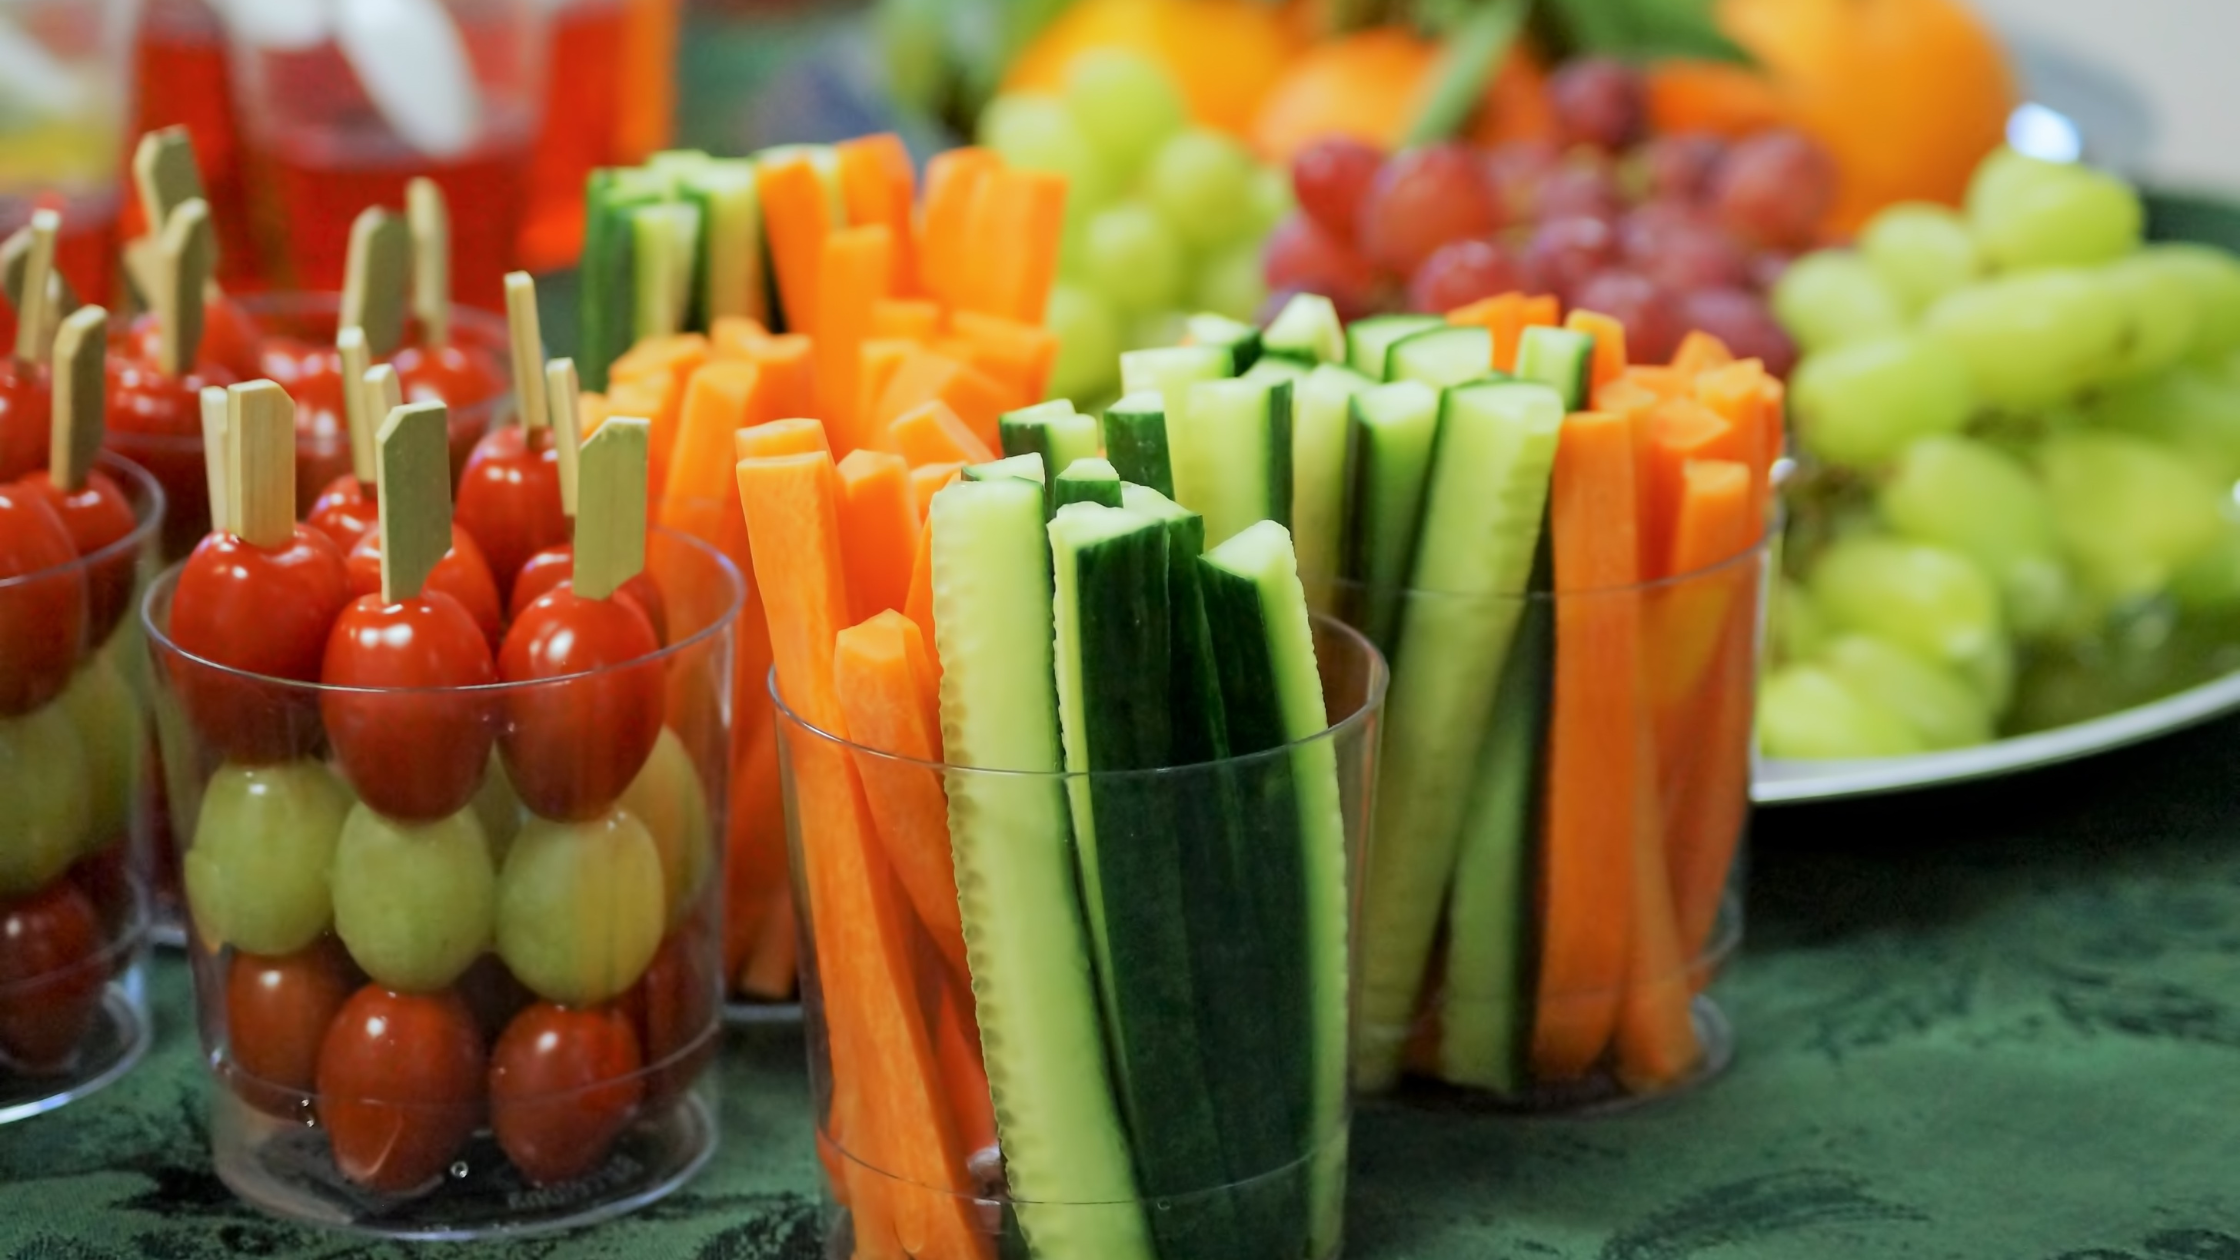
[814, 283]
[1561, 555]
[452, 865]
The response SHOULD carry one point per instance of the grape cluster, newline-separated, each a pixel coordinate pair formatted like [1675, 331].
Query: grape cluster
[2022, 436]
[1667, 233]
[1162, 217]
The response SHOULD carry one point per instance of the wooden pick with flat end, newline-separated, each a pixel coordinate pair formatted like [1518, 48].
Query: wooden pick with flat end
[187, 252]
[430, 219]
[526, 332]
[81, 391]
[564, 398]
[611, 524]
[380, 392]
[165, 173]
[15, 261]
[415, 497]
[373, 279]
[31, 307]
[217, 454]
[261, 465]
[350, 346]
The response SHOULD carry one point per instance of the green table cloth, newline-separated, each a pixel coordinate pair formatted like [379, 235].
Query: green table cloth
[1998, 1021]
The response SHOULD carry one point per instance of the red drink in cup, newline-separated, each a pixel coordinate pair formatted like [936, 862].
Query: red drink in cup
[180, 67]
[581, 123]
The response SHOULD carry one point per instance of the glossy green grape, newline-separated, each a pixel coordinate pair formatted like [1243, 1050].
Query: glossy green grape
[1133, 258]
[1927, 598]
[1937, 706]
[43, 799]
[1231, 283]
[264, 840]
[2210, 582]
[1038, 133]
[1126, 105]
[2033, 339]
[2214, 276]
[112, 731]
[2162, 310]
[1833, 298]
[2189, 409]
[1088, 332]
[668, 798]
[2029, 213]
[1973, 498]
[1795, 621]
[2131, 512]
[1202, 181]
[580, 907]
[1863, 403]
[1920, 252]
[498, 809]
[1805, 713]
[414, 904]
[1272, 200]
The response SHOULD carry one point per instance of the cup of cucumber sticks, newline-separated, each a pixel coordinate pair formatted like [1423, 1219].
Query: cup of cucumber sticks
[1075, 870]
[454, 907]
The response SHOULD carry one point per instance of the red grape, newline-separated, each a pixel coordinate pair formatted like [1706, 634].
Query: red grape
[1584, 186]
[1774, 188]
[1651, 317]
[1599, 101]
[1564, 252]
[1682, 166]
[1681, 248]
[1331, 177]
[1460, 273]
[1742, 321]
[1516, 169]
[1302, 257]
[1766, 269]
[1420, 200]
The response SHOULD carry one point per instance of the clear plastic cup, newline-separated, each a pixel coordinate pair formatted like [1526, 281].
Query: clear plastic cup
[1554, 887]
[74, 857]
[495, 1023]
[955, 1145]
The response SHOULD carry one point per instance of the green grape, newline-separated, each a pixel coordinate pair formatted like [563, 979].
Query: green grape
[256, 875]
[1795, 622]
[580, 907]
[1088, 364]
[1125, 103]
[1272, 201]
[414, 904]
[1806, 714]
[2031, 340]
[1158, 328]
[1231, 284]
[1132, 257]
[1921, 252]
[1940, 708]
[2030, 213]
[1861, 404]
[43, 799]
[1202, 181]
[2195, 411]
[2210, 582]
[1967, 495]
[106, 714]
[498, 809]
[1930, 599]
[1038, 133]
[1833, 298]
[2131, 512]
[667, 797]
[2214, 276]
[2162, 311]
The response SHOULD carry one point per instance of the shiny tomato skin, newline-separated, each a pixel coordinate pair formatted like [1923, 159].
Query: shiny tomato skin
[262, 612]
[42, 604]
[51, 976]
[344, 512]
[26, 419]
[143, 400]
[462, 574]
[277, 1013]
[554, 565]
[400, 1086]
[157, 423]
[563, 1085]
[571, 748]
[673, 1007]
[231, 338]
[509, 499]
[458, 375]
[413, 751]
[98, 516]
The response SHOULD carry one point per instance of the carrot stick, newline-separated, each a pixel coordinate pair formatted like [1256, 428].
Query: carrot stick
[1656, 1039]
[905, 319]
[772, 968]
[878, 186]
[926, 481]
[945, 248]
[779, 437]
[1685, 432]
[1501, 315]
[932, 434]
[1609, 343]
[735, 337]
[718, 402]
[887, 691]
[1015, 352]
[878, 530]
[860, 918]
[1664, 382]
[957, 1041]
[918, 605]
[924, 376]
[1017, 222]
[1544, 310]
[881, 357]
[789, 365]
[1732, 390]
[657, 398]
[678, 356]
[796, 215]
[754, 840]
[1699, 352]
[851, 277]
[1597, 748]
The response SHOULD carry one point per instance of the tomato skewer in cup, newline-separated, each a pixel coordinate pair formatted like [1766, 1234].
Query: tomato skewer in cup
[509, 496]
[39, 294]
[437, 366]
[551, 566]
[165, 176]
[348, 506]
[462, 573]
[333, 435]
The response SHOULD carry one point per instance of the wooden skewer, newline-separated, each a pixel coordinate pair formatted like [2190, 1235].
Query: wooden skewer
[217, 454]
[261, 470]
[563, 396]
[415, 497]
[527, 336]
[380, 392]
[80, 391]
[188, 251]
[430, 219]
[166, 176]
[611, 531]
[373, 279]
[350, 345]
[31, 308]
[15, 262]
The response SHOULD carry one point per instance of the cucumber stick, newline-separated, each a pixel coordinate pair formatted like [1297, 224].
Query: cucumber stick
[1394, 429]
[1112, 621]
[1025, 935]
[1135, 440]
[1481, 529]
[1369, 341]
[1170, 371]
[1231, 454]
[1306, 331]
[666, 238]
[732, 284]
[1240, 339]
[1272, 693]
[1440, 357]
[1194, 705]
[1028, 467]
[1321, 427]
[1561, 359]
[1086, 481]
[1050, 430]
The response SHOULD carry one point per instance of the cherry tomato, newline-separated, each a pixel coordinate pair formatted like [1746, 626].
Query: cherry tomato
[572, 747]
[51, 976]
[415, 750]
[493, 994]
[673, 1007]
[563, 1084]
[459, 375]
[42, 601]
[108, 878]
[286, 361]
[98, 516]
[400, 1086]
[230, 338]
[509, 499]
[277, 1013]
[344, 512]
[156, 422]
[26, 419]
[462, 574]
[554, 565]
[261, 612]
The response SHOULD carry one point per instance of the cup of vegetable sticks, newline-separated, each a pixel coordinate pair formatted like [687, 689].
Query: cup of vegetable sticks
[454, 911]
